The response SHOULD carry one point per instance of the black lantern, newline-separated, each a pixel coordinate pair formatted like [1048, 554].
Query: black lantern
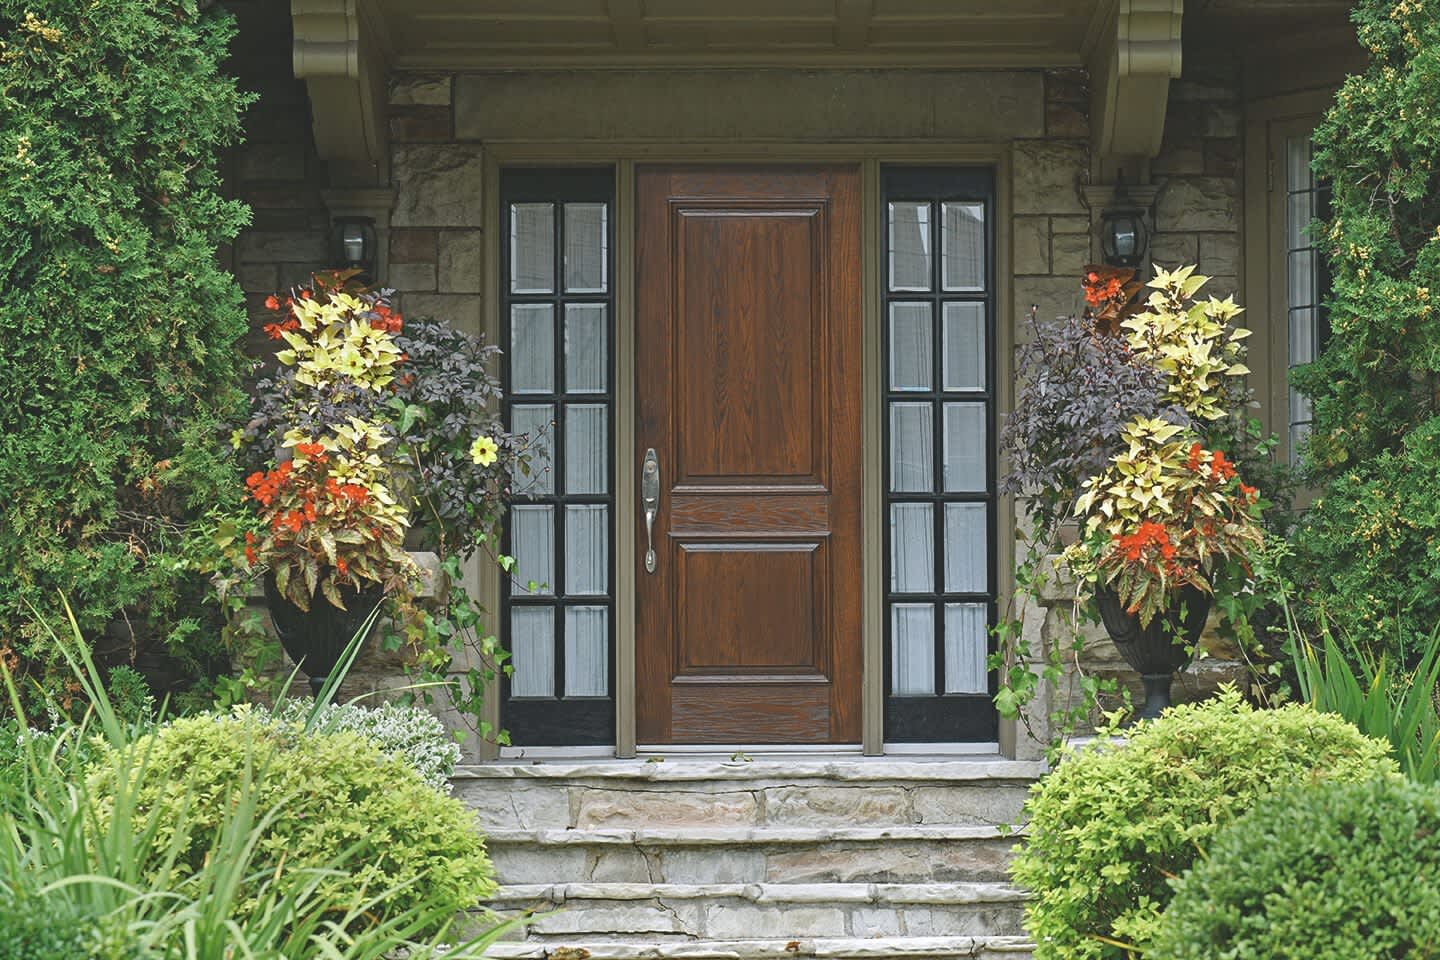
[355, 246]
[1122, 229]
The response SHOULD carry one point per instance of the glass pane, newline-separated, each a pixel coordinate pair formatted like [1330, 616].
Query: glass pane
[532, 248]
[1298, 434]
[586, 443]
[1302, 336]
[1301, 210]
[1302, 408]
[912, 649]
[532, 538]
[535, 423]
[967, 548]
[910, 246]
[912, 548]
[966, 629]
[910, 346]
[963, 256]
[586, 357]
[965, 448]
[532, 348]
[585, 248]
[964, 346]
[587, 550]
[1302, 279]
[532, 649]
[587, 651]
[1297, 164]
[912, 447]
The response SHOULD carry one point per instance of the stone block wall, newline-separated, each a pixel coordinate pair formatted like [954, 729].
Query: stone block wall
[437, 227]
[276, 170]
[1198, 211]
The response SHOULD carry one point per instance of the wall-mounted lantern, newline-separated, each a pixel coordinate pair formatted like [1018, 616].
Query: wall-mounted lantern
[355, 247]
[1123, 235]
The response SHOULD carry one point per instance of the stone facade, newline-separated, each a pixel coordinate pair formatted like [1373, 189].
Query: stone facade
[440, 125]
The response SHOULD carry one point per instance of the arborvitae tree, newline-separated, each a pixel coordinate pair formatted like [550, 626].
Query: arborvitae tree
[1369, 551]
[120, 327]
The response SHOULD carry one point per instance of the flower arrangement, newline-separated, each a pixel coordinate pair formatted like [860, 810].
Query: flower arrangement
[377, 432]
[1167, 511]
[1127, 423]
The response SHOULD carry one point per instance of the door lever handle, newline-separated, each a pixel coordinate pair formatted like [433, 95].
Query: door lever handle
[650, 502]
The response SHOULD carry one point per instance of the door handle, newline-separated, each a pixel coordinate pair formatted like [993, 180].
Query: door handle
[650, 502]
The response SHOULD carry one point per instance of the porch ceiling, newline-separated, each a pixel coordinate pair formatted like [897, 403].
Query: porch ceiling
[502, 34]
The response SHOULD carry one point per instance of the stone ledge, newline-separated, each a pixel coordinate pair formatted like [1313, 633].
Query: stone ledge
[748, 836]
[874, 893]
[867, 947]
[858, 769]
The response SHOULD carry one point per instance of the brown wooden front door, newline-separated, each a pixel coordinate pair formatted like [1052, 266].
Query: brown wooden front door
[748, 377]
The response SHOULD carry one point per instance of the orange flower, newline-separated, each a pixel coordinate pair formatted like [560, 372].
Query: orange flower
[312, 450]
[1193, 463]
[272, 302]
[342, 566]
[250, 556]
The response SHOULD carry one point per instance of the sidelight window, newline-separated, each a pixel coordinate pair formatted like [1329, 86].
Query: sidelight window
[939, 471]
[558, 319]
[1307, 279]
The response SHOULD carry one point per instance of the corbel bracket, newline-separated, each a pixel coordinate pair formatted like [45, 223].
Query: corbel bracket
[1133, 57]
[341, 54]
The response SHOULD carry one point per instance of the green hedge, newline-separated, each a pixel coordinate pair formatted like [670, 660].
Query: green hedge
[120, 328]
[325, 795]
[1112, 824]
[1338, 872]
[1369, 556]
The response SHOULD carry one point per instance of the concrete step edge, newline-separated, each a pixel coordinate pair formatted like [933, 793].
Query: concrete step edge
[702, 836]
[968, 892]
[876, 947]
[789, 772]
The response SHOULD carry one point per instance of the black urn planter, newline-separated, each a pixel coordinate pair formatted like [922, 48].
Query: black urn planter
[316, 638]
[1162, 647]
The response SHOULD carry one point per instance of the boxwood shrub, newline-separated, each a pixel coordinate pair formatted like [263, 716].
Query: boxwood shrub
[326, 794]
[1334, 872]
[1113, 823]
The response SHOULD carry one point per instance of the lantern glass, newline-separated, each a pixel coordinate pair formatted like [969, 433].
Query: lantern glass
[355, 244]
[1124, 238]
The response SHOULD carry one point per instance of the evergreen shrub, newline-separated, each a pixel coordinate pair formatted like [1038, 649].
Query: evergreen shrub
[1368, 553]
[120, 326]
[1335, 872]
[1114, 822]
[325, 795]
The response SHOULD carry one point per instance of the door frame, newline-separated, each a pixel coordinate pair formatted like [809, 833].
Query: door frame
[869, 156]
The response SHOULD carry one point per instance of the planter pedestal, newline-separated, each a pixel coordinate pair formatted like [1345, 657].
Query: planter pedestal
[1160, 648]
[316, 638]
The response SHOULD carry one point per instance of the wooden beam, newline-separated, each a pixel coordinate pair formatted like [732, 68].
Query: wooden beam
[627, 21]
[852, 23]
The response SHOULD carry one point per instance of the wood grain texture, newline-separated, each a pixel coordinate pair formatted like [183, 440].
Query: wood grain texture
[748, 387]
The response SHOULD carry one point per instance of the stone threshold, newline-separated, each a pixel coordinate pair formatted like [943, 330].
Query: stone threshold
[949, 894]
[851, 947]
[702, 836]
[680, 769]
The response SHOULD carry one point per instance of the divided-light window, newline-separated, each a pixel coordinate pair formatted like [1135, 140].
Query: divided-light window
[939, 422]
[558, 321]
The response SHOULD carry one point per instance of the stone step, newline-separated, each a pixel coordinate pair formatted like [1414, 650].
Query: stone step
[667, 912]
[711, 855]
[851, 791]
[866, 948]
